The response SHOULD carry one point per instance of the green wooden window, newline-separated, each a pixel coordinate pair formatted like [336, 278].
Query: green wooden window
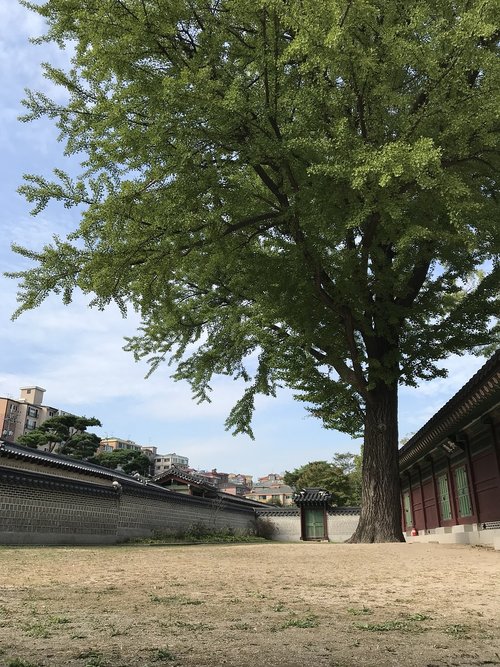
[315, 526]
[463, 495]
[444, 498]
[407, 509]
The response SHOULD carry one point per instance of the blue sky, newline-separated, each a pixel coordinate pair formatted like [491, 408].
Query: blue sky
[76, 354]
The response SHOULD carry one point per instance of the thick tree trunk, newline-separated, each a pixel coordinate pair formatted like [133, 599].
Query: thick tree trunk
[380, 519]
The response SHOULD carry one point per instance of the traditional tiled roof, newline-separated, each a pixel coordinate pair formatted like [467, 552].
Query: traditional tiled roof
[52, 460]
[312, 496]
[479, 394]
[60, 461]
[278, 489]
[241, 500]
[271, 510]
[291, 511]
[204, 485]
[178, 473]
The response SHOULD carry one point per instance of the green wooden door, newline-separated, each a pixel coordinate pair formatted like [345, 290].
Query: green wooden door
[444, 498]
[462, 483]
[314, 522]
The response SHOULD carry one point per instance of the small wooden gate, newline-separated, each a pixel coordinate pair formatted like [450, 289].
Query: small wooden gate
[314, 522]
[313, 504]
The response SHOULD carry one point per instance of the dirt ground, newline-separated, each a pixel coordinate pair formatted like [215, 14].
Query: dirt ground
[258, 605]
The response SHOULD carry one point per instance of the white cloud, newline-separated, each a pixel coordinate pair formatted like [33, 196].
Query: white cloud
[20, 69]
[460, 369]
[418, 405]
[79, 358]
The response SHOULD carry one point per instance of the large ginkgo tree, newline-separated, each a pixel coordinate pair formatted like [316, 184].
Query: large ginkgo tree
[292, 192]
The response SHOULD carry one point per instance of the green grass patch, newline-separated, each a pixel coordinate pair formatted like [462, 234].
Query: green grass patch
[181, 600]
[240, 626]
[363, 611]
[92, 659]
[97, 661]
[37, 630]
[418, 617]
[310, 621]
[409, 623]
[386, 626]
[163, 655]
[58, 620]
[90, 653]
[193, 627]
[456, 630]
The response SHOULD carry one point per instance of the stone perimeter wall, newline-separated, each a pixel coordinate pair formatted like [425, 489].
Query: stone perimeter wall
[43, 505]
[55, 511]
[341, 524]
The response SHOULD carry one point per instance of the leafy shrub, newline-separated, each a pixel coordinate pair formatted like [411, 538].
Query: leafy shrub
[198, 532]
[264, 528]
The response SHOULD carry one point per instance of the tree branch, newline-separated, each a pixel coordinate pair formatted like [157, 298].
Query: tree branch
[251, 220]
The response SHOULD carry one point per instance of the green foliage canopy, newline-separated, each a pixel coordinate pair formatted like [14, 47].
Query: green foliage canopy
[341, 478]
[309, 184]
[129, 460]
[66, 434]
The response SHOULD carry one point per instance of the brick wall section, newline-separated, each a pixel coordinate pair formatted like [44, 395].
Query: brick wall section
[34, 514]
[54, 509]
[177, 513]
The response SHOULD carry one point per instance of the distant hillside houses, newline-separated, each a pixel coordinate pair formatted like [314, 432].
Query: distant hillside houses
[28, 412]
[272, 489]
[237, 484]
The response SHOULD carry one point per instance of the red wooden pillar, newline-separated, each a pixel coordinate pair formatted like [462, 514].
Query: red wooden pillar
[471, 476]
[494, 439]
[434, 487]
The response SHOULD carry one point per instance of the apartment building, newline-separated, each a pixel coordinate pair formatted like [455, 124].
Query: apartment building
[22, 415]
[159, 462]
[112, 444]
[165, 461]
[117, 444]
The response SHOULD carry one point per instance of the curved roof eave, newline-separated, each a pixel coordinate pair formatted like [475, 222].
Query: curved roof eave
[52, 460]
[476, 396]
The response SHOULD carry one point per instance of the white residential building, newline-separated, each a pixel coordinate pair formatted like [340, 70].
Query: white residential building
[165, 461]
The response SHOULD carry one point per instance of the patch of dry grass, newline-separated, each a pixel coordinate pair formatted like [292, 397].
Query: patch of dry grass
[284, 605]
